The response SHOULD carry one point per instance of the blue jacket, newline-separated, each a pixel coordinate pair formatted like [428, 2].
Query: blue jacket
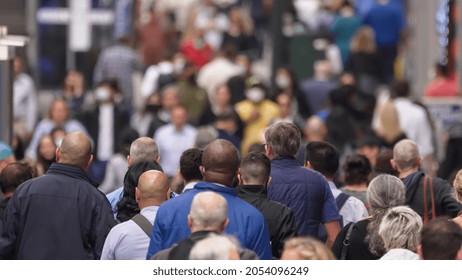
[305, 191]
[245, 221]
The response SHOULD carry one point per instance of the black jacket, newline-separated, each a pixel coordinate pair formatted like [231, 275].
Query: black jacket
[445, 203]
[59, 215]
[279, 218]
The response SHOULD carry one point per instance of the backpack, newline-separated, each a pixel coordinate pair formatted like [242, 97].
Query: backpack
[340, 201]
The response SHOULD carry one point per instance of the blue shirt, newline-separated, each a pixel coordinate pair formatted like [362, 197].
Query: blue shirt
[245, 221]
[387, 22]
[305, 191]
[113, 198]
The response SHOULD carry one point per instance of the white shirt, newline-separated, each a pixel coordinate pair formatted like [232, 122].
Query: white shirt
[215, 73]
[149, 83]
[127, 241]
[106, 132]
[25, 100]
[414, 123]
[172, 144]
[353, 210]
[400, 254]
[189, 186]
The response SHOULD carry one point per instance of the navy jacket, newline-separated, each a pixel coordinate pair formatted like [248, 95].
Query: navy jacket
[245, 221]
[305, 191]
[59, 215]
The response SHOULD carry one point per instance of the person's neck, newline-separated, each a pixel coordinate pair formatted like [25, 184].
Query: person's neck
[149, 202]
[403, 174]
[7, 195]
[356, 187]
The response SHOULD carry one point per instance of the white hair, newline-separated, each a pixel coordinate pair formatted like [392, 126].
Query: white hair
[209, 210]
[214, 247]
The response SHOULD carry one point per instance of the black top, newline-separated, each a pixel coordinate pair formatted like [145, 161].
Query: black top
[279, 218]
[3, 204]
[358, 249]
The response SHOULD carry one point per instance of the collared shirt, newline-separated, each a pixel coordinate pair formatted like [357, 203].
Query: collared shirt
[172, 143]
[127, 241]
[353, 210]
[189, 186]
[113, 198]
[106, 132]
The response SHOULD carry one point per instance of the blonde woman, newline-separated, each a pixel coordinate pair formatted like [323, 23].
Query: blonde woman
[364, 62]
[389, 129]
[458, 194]
[306, 248]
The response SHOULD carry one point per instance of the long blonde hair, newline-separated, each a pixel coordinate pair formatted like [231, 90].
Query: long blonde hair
[363, 41]
[389, 128]
[458, 186]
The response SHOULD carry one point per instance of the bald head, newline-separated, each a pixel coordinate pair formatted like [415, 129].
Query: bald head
[220, 161]
[75, 150]
[315, 129]
[209, 211]
[152, 185]
[406, 155]
[143, 149]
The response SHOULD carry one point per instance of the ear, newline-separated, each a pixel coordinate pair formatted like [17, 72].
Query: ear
[459, 255]
[225, 224]
[202, 169]
[90, 160]
[129, 160]
[239, 178]
[57, 153]
[190, 222]
[393, 164]
[269, 181]
[137, 194]
[308, 164]
[419, 251]
[158, 159]
[421, 160]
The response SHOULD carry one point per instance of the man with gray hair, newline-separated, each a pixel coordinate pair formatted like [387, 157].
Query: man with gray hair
[305, 191]
[208, 215]
[429, 197]
[142, 149]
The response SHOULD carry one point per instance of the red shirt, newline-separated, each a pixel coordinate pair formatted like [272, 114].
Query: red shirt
[199, 57]
[442, 88]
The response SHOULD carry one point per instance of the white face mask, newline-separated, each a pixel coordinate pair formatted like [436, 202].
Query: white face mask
[102, 94]
[282, 82]
[178, 66]
[255, 94]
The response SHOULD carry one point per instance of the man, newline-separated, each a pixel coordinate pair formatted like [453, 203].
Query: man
[315, 130]
[190, 163]
[173, 139]
[103, 123]
[129, 240]
[141, 150]
[324, 158]
[441, 240]
[407, 160]
[59, 215]
[13, 175]
[219, 168]
[253, 180]
[305, 191]
[208, 214]
[119, 61]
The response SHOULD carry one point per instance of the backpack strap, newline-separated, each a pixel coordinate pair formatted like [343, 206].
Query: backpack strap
[432, 197]
[143, 223]
[341, 200]
[346, 241]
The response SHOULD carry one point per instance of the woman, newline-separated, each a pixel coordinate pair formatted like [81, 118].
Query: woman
[357, 170]
[364, 242]
[458, 194]
[389, 129]
[400, 231]
[46, 151]
[364, 62]
[240, 32]
[287, 83]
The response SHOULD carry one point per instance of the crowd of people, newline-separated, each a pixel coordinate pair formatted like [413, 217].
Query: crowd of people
[203, 156]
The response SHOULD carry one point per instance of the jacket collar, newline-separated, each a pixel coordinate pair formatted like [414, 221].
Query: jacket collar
[284, 161]
[201, 234]
[252, 190]
[216, 188]
[413, 179]
[71, 171]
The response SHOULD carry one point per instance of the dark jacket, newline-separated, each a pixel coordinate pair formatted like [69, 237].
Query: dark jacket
[358, 248]
[90, 119]
[59, 215]
[445, 203]
[279, 218]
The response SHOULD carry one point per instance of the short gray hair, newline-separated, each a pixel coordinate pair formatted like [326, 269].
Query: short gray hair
[284, 138]
[143, 149]
[209, 210]
[401, 228]
[406, 154]
[214, 247]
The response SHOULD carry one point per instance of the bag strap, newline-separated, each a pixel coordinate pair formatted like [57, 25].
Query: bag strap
[143, 223]
[346, 241]
[432, 197]
[341, 200]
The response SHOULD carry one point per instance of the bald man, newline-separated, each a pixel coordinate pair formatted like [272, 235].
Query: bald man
[219, 169]
[60, 215]
[129, 240]
[143, 149]
[407, 160]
